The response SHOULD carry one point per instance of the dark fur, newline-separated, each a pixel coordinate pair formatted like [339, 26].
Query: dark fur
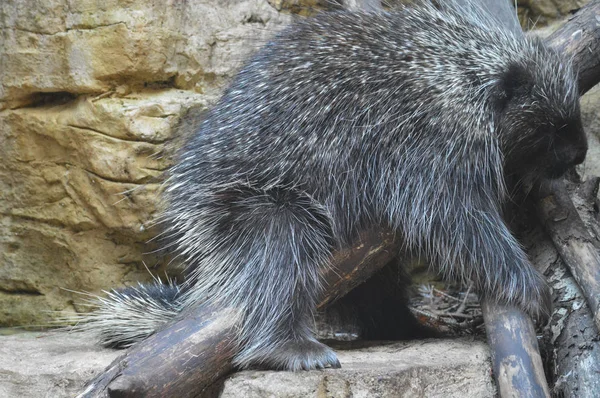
[408, 120]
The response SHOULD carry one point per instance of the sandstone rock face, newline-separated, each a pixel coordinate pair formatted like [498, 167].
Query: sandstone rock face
[78, 188]
[90, 93]
[83, 47]
[542, 12]
[33, 365]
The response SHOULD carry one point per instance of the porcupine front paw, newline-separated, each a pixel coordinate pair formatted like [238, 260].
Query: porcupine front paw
[302, 355]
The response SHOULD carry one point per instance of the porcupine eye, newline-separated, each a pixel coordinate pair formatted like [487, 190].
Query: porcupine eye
[514, 85]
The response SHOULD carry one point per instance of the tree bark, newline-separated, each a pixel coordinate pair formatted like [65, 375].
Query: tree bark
[576, 246]
[516, 360]
[579, 39]
[572, 339]
[570, 343]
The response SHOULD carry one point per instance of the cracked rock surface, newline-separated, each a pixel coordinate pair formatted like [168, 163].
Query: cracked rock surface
[90, 95]
[57, 365]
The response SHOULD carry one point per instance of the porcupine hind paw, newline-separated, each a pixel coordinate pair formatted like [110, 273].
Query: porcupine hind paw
[302, 355]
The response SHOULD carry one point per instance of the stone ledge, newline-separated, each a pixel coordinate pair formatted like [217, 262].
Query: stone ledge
[57, 365]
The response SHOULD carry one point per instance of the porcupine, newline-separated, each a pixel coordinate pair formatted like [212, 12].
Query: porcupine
[410, 120]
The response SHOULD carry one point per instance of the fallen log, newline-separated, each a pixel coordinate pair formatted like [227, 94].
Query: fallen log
[577, 246]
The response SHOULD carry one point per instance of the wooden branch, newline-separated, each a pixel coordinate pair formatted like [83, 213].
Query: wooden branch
[570, 343]
[579, 38]
[516, 360]
[353, 266]
[572, 240]
[193, 352]
[576, 359]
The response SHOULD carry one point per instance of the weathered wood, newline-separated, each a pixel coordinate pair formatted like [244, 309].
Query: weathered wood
[576, 357]
[516, 360]
[571, 342]
[193, 352]
[579, 38]
[353, 266]
[572, 240]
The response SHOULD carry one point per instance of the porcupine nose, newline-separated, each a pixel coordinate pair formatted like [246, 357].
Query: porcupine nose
[580, 154]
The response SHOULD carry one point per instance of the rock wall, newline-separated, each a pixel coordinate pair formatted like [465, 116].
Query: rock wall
[90, 94]
[536, 13]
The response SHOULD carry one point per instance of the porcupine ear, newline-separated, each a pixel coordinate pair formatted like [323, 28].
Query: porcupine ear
[514, 83]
